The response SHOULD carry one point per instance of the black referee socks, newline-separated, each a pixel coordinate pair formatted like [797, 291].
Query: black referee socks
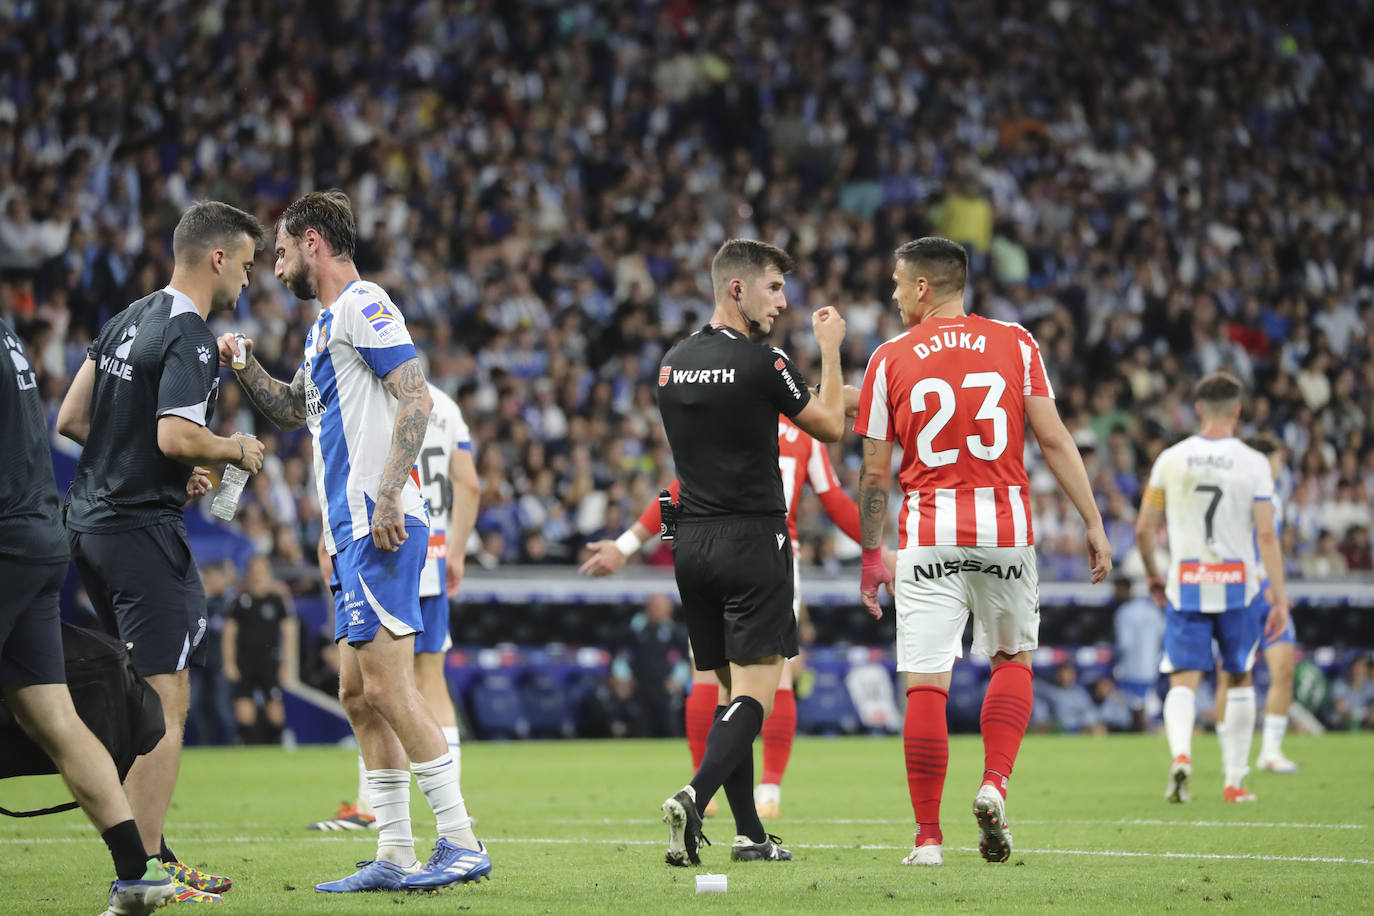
[729, 763]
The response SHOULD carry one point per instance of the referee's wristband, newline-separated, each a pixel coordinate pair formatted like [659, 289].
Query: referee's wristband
[628, 543]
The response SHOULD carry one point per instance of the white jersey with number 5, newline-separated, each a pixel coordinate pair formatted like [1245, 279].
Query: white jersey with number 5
[446, 432]
[1210, 488]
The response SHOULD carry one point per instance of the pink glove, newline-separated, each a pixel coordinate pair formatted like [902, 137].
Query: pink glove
[875, 574]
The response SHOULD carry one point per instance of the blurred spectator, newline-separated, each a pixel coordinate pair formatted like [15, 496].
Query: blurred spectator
[539, 186]
[612, 709]
[1352, 697]
[1115, 707]
[1071, 707]
[1356, 550]
[656, 647]
[1139, 626]
[1326, 561]
[259, 638]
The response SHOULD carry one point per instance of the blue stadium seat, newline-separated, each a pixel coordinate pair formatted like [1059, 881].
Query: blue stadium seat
[546, 700]
[495, 707]
[967, 684]
[828, 710]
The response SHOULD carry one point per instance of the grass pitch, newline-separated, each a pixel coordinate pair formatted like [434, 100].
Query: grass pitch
[573, 827]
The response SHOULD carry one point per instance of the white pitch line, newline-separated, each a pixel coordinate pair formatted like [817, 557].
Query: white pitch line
[1149, 822]
[569, 841]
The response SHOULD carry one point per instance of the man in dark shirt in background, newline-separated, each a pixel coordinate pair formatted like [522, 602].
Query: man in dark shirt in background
[259, 637]
[657, 649]
[33, 563]
[141, 405]
[720, 393]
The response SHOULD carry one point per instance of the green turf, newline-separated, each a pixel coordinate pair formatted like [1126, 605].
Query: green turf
[573, 828]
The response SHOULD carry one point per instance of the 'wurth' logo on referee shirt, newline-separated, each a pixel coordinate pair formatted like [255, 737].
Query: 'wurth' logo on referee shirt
[701, 376]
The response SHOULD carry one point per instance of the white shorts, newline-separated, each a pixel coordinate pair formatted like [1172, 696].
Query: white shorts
[938, 587]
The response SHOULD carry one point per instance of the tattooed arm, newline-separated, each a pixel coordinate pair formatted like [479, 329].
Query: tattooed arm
[406, 383]
[874, 478]
[281, 403]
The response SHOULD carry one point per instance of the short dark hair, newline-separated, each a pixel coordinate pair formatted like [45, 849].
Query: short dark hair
[327, 212]
[1265, 443]
[943, 262]
[1218, 388]
[210, 224]
[746, 258]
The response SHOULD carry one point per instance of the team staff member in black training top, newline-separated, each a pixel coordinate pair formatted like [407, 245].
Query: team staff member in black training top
[33, 563]
[141, 405]
[720, 393]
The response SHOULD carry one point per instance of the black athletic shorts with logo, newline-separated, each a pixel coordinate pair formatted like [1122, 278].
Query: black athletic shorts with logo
[30, 625]
[146, 589]
[735, 579]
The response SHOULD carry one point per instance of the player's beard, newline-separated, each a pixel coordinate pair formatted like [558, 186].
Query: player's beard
[299, 284]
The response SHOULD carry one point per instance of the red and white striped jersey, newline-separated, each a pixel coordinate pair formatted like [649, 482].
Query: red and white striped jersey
[801, 460]
[951, 392]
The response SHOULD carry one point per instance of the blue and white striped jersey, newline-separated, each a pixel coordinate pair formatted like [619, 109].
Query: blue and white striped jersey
[352, 346]
[1210, 488]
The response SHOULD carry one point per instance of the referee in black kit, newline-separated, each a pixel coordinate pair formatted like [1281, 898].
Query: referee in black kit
[720, 393]
[141, 405]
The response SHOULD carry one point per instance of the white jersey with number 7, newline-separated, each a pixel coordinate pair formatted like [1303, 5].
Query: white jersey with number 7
[1210, 487]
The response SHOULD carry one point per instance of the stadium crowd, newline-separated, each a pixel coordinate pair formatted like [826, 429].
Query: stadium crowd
[1157, 190]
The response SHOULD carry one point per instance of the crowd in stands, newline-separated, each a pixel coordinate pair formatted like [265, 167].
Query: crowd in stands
[1156, 189]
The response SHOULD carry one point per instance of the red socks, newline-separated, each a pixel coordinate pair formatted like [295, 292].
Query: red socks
[926, 741]
[779, 730]
[1006, 713]
[701, 712]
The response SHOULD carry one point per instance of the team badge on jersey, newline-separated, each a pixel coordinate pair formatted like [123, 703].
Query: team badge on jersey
[663, 375]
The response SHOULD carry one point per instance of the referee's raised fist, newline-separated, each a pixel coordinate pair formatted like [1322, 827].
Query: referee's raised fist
[828, 326]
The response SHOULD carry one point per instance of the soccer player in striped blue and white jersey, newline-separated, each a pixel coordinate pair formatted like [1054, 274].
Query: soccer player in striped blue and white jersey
[1215, 495]
[361, 392]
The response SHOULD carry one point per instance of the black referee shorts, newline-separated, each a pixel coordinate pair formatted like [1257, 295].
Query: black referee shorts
[258, 680]
[735, 579]
[30, 627]
[146, 589]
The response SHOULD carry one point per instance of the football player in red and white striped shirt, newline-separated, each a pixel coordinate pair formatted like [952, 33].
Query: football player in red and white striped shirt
[801, 460]
[956, 391]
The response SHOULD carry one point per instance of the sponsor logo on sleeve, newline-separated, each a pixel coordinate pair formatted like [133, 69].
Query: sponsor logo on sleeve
[383, 319]
[663, 375]
[779, 364]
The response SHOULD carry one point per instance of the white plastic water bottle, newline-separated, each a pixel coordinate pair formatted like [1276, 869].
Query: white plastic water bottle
[226, 501]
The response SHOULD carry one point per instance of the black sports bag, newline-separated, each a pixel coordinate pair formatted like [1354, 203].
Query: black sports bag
[115, 703]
